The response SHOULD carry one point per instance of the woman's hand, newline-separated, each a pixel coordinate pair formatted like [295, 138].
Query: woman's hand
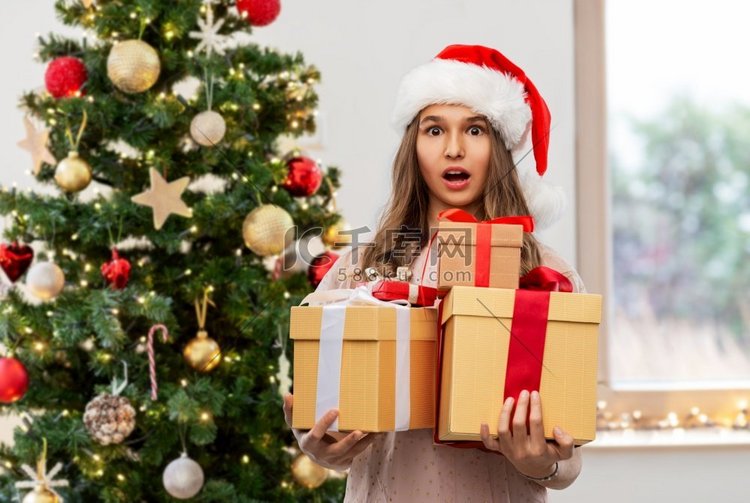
[526, 447]
[324, 449]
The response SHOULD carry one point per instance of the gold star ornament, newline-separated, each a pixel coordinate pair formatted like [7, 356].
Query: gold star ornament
[164, 198]
[36, 143]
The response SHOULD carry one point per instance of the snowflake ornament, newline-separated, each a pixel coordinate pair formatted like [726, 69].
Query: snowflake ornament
[209, 37]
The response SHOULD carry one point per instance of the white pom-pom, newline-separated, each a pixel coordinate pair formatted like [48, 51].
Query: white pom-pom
[546, 202]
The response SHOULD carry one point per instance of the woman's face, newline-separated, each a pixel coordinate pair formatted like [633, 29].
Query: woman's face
[453, 151]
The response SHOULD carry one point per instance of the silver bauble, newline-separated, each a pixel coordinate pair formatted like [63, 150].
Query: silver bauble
[208, 128]
[183, 478]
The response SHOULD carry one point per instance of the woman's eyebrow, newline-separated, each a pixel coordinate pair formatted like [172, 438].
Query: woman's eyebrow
[437, 118]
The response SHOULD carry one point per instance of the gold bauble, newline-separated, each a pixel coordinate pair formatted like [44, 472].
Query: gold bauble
[208, 128]
[45, 280]
[266, 230]
[307, 472]
[133, 66]
[332, 236]
[73, 174]
[41, 495]
[202, 352]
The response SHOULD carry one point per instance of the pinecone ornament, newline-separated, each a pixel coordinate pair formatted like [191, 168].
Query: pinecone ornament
[109, 419]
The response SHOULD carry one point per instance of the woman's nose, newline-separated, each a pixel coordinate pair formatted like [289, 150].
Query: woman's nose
[453, 146]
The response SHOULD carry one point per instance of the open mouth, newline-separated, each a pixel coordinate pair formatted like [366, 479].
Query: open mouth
[456, 176]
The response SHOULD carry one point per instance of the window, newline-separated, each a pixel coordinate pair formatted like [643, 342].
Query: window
[663, 121]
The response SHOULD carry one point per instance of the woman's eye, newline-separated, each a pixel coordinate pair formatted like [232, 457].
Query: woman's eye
[433, 131]
[475, 130]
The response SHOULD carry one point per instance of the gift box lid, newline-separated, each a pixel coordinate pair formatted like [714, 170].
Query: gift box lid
[499, 302]
[465, 234]
[364, 323]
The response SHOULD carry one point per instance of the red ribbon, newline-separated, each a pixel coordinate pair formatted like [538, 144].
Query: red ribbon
[527, 338]
[399, 290]
[484, 237]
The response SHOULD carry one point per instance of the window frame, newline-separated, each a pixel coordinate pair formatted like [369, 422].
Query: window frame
[593, 243]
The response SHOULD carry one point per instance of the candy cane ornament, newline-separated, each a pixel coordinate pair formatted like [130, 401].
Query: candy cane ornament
[151, 360]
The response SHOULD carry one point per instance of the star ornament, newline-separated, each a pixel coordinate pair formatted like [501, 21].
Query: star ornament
[164, 198]
[210, 39]
[36, 143]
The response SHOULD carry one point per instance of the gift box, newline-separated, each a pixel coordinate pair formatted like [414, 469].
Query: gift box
[483, 254]
[374, 361]
[497, 342]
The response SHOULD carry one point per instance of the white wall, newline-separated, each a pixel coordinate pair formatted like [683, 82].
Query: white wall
[363, 49]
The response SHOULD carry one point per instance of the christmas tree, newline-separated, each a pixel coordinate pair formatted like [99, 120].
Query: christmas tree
[143, 323]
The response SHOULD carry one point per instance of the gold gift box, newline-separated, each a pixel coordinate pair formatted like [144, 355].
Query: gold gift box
[367, 396]
[475, 354]
[457, 255]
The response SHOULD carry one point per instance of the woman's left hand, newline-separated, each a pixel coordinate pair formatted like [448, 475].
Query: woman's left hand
[526, 447]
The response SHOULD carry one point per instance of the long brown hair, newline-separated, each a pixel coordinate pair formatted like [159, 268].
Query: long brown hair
[407, 208]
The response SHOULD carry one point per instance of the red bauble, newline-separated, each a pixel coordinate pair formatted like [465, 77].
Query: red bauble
[304, 177]
[65, 77]
[14, 380]
[15, 259]
[259, 12]
[319, 266]
[117, 271]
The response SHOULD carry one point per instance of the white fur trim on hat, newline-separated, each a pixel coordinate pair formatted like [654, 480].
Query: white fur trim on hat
[499, 97]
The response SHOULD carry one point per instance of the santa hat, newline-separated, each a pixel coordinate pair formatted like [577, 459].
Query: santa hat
[490, 84]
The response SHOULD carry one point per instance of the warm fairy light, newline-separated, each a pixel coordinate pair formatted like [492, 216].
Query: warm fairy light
[52, 122]
[205, 416]
[106, 357]
[143, 340]
[169, 34]
[210, 288]
[238, 252]
[87, 267]
[8, 465]
[194, 229]
[272, 379]
[121, 477]
[65, 413]
[133, 15]
[256, 106]
[286, 295]
[84, 283]
[141, 300]
[694, 411]
[96, 457]
[184, 383]
[304, 205]
[28, 330]
[150, 154]
[50, 314]
[284, 484]
[235, 176]
[190, 54]
[245, 459]
[115, 311]
[143, 408]
[99, 473]
[295, 124]
[188, 272]
[274, 189]
[39, 346]
[97, 206]
[672, 419]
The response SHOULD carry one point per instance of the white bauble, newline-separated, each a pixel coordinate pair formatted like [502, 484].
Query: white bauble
[183, 478]
[208, 128]
[45, 280]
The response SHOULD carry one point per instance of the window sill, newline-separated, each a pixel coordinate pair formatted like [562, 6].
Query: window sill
[678, 437]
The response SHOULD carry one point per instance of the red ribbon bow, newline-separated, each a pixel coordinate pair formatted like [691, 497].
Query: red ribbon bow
[484, 237]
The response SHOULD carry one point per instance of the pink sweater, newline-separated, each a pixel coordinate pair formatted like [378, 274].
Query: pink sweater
[406, 466]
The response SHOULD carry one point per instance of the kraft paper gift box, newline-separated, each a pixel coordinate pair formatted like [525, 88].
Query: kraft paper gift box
[481, 363]
[483, 254]
[375, 363]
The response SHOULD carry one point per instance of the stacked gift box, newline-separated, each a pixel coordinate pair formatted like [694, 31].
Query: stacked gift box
[388, 367]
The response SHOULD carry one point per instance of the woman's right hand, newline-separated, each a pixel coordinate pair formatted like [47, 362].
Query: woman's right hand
[324, 449]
